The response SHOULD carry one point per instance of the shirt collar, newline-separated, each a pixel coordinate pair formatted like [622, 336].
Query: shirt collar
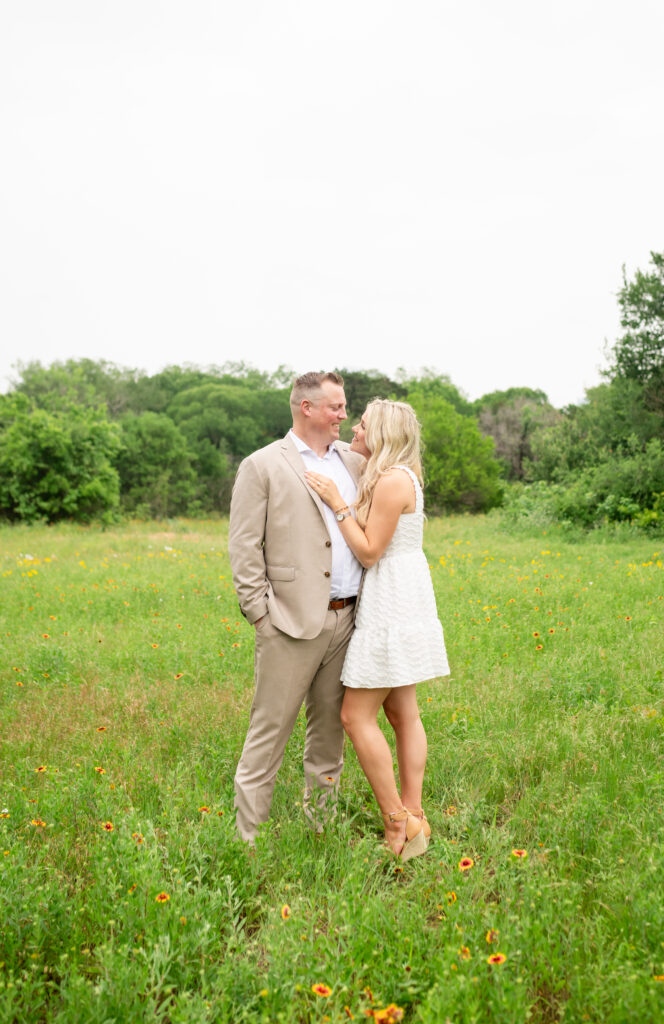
[302, 446]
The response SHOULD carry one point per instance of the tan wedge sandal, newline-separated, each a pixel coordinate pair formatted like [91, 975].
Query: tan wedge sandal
[417, 840]
[421, 816]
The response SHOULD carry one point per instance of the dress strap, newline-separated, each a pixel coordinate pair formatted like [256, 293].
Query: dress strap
[419, 497]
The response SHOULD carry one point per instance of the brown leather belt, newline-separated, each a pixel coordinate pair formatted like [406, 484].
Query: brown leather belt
[341, 602]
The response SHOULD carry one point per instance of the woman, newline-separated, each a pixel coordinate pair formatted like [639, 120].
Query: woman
[398, 639]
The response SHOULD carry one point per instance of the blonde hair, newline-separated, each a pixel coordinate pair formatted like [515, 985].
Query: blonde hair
[392, 435]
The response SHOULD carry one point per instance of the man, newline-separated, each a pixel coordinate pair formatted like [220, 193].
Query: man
[297, 582]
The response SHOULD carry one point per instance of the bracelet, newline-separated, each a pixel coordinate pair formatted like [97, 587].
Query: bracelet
[342, 509]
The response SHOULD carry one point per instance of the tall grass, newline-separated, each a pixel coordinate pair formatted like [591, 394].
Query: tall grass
[125, 685]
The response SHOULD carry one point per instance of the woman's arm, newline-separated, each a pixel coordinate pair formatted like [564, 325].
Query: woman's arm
[392, 495]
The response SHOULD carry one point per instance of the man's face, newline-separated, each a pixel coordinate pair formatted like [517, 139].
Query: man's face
[328, 412]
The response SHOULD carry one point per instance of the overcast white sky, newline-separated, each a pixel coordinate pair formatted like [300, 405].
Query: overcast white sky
[369, 184]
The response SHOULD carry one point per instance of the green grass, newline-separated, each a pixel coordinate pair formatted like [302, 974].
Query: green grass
[127, 677]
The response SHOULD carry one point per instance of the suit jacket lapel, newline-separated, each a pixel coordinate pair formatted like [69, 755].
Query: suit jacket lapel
[351, 464]
[294, 460]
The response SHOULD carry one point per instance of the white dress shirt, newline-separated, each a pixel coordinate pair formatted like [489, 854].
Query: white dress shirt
[346, 570]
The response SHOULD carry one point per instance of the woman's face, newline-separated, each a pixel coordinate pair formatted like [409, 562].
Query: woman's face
[358, 443]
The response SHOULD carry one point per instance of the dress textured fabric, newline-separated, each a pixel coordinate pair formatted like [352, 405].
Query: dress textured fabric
[398, 638]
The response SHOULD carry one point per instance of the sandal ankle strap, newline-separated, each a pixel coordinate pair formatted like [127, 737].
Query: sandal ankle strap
[396, 815]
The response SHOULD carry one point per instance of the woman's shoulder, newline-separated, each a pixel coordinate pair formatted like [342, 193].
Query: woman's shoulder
[393, 483]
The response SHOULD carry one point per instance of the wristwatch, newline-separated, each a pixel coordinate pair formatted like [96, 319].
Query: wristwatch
[341, 513]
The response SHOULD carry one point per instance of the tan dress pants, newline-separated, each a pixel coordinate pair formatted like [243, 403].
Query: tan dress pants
[287, 673]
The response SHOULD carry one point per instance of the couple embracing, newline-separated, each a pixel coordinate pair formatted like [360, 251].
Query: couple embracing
[325, 544]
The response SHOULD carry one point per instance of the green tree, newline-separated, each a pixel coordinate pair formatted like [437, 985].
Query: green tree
[612, 419]
[361, 386]
[155, 466]
[460, 471]
[56, 465]
[436, 385]
[639, 353]
[512, 418]
[77, 382]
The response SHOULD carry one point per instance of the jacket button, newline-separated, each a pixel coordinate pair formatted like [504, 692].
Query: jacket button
[326, 574]
[328, 543]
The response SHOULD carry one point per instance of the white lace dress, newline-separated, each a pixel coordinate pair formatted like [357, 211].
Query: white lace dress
[398, 638]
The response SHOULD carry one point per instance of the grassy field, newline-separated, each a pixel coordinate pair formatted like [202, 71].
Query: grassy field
[125, 685]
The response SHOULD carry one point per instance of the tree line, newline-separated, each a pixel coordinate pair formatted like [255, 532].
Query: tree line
[86, 440]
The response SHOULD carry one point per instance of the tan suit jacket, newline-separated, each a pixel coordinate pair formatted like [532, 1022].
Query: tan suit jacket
[279, 544]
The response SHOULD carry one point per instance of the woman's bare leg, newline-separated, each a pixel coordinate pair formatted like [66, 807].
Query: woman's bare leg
[359, 714]
[402, 712]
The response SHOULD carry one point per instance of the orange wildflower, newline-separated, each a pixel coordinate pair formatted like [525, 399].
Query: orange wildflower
[466, 863]
[496, 958]
[491, 935]
[321, 990]
[464, 952]
[285, 912]
[520, 854]
[162, 897]
[108, 826]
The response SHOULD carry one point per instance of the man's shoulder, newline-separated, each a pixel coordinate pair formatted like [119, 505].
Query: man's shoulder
[266, 456]
[343, 447]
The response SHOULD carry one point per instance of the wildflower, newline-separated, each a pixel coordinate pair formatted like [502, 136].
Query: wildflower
[491, 935]
[329, 778]
[348, 1013]
[101, 728]
[466, 863]
[99, 770]
[539, 647]
[42, 768]
[520, 854]
[658, 977]
[451, 898]
[131, 888]
[321, 990]
[390, 1015]
[137, 836]
[464, 952]
[183, 920]
[162, 897]
[4, 813]
[628, 618]
[536, 634]
[108, 826]
[398, 869]
[451, 810]
[204, 809]
[155, 645]
[496, 958]
[38, 823]
[178, 675]
[285, 912]
[552, 631]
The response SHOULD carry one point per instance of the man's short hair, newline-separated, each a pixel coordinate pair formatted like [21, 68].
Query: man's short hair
[309, 386]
